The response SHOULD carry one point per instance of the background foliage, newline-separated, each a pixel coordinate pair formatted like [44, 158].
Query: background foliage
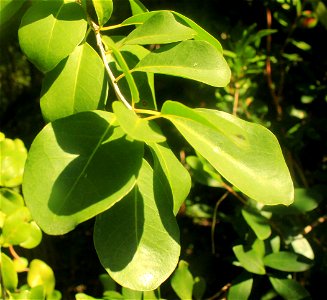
[278, 63]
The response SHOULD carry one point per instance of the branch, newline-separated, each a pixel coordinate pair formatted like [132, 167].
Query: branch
[113, 80]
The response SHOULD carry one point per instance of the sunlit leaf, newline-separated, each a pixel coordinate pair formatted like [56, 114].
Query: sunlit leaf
[76, 84]
[8, 273]
[241, 287]
[240, 151]
[50, 30]
[182, 281]
[144, 221]
[103, 9]
[40, 273]
[74, 170]
[258, 224]
[196, 60]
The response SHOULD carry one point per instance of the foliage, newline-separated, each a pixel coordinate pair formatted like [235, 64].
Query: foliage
[19, 229]
[106, 151]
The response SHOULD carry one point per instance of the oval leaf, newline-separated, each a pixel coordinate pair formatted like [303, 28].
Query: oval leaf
[182, 281]
[136, 127]
[137, 240]
[50, 30]
[78, 167]
[242, 152]
[287, 261]
[8, 273]
[258, 224]
[103, 9]
[289, 289]
[76, 84]
[161, 28]
[196, 60]
[250, 259]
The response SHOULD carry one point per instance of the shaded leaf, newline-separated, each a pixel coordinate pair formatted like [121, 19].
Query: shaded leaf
[196, 60]
[50, 30]
[240, 151]
[77, 167]
[199, 287]
[173, 173]
[289, 289]
[241, 287]
[144, 221]
[76, 84]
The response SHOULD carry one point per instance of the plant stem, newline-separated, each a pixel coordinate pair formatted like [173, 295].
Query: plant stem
[119, 94]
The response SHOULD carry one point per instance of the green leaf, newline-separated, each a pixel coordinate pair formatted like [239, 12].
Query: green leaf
[199, 288]
[131, 294]
[8, 273]
[161, 28]
[137, 7]
[40, 273]
[12, 160]
[258, 223]
[136, 127]
[241, 287]
[144, 221]
[182, 281]
[196, 60]
[302, 246]
[82, 296]
[289, 289]
[34, 237]
[50, 30]
[76, 84]
[287, 261]
[242, 152]
[10, 201]
[150, 295]
[201, 33]
[250, 259]
[8, 9]
[16, 228]
[103, 9]
[112, 295]
[108, 283]
[172, 172]
[78, 167]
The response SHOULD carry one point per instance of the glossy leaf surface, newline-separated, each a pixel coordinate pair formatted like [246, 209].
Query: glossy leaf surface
[160, 28]
[74, 170]
[196, 60]
[50, 30]
[76, 84]
[137, 240]
[136, 127]
[240, 151]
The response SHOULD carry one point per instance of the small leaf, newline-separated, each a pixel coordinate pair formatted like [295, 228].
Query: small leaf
[289, 288]
[144, 221]
[76, 84]
[302, 246]
[240, 151]
[10, 201]
[161, 28]
[199, 288]
[136, 127]
[78, 167]
[241, 287]
[250, 259]
[8, 273]
[50, 30]
[41, 274]
[12, 160]
[172, 173]
[182, 281]
[196, 60]
[103, 9]
[287, 261]
[20, 264]
[258, 224]
[34, 237]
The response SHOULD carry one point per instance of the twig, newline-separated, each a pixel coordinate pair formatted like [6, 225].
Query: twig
[317, 222]
[119, 94]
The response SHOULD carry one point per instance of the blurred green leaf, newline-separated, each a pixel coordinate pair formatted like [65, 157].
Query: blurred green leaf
[8, 273]
[182, 281]
[241, 287]
[199, 287]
